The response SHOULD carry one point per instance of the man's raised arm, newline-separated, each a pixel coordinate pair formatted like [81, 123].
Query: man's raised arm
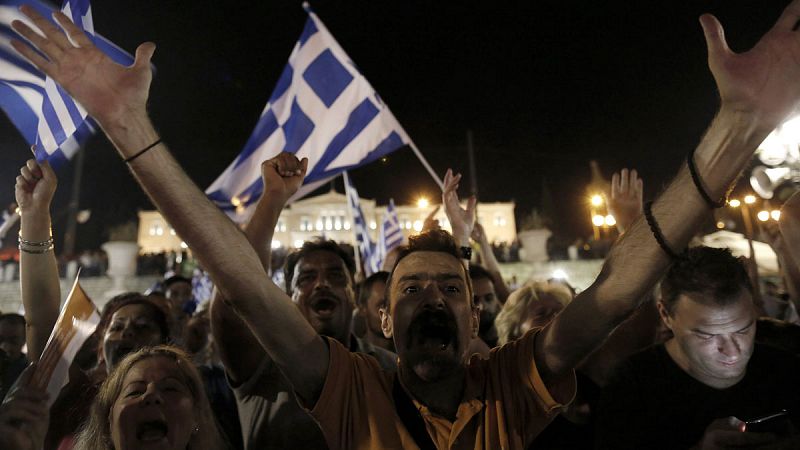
[239, 349]
[116, 98]
[758, 89]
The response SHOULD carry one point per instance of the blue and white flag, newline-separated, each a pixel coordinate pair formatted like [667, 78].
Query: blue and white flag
[366, 248]
[391, 235]
[38, 107]
[322, 108]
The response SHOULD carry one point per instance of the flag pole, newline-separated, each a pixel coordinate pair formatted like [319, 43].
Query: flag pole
[426, 164]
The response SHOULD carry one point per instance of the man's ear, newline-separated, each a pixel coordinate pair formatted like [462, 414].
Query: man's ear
[664, 314]
[386, 323]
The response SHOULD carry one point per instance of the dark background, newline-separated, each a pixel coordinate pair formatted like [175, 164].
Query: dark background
[545, 87]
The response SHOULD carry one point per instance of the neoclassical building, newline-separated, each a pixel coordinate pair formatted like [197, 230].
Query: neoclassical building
[328, 215]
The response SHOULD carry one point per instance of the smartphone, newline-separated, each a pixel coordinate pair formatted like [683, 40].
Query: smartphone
[777, 423]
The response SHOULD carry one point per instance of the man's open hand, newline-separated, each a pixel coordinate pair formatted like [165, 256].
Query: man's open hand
[107, 90]
[625, 201]
[283, 175]
[763, 82]
[461, 220]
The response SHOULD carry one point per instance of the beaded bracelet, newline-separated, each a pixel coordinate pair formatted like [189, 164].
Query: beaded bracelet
[651, 221]
[699, 183]
[46, 243]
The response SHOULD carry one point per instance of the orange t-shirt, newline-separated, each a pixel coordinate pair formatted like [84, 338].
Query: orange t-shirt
[505, 405]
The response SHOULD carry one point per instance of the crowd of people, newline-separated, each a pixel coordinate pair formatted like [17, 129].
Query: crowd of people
[668, 348]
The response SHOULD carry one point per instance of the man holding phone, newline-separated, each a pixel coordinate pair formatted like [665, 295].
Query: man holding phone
[699, 387]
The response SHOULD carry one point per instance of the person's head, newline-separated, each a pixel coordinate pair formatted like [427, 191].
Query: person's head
[430, 314]
[129, 322]
[707, 303]
[371, 298]
[178, 291]
[532, 306]
[484, 296]
[12, 334]
[154, 398]
[319, 279]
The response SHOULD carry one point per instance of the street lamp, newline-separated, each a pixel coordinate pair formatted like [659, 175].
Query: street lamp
[749, 199]
[597, 200]
[423, 202]
[598, 220]
[734, 203]
[763, 216]
[610, 220]
[775, 214]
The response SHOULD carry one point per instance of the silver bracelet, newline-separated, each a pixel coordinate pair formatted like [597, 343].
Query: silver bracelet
[47, 243]
[37, 251]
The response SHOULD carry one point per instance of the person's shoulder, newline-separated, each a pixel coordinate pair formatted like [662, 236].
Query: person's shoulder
[646, 364]
[386, 359]
[772, 358]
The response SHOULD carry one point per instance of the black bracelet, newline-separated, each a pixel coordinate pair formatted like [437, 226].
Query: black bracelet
[699, 183]
[648, 214]
[141, 152]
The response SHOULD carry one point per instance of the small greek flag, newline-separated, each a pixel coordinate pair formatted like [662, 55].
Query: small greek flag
[39, 108]
[366, 248]
[322, 108]
[391, 235]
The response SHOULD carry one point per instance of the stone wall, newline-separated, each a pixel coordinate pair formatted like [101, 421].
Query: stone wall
[95, 287]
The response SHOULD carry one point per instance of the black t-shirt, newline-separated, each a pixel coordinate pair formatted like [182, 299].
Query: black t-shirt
[652, 403]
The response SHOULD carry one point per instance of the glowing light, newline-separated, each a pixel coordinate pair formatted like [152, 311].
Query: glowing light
[749, 199]
[610, 220]
[276, 244]
[235, 201]
[346, 224]
[319, 225]
[423, 202]
[720, 225]
[559, 274]
[775, 214]
[373, 225]
[598, 220]
[298, 243]
[184, 245]
[172, 231]
[417, 225]
[734, 203]
[597, 200]
[763, 216]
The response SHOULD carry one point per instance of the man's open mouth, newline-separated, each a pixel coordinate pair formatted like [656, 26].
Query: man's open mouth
[324, 306]
[152, 431]
[433, 331]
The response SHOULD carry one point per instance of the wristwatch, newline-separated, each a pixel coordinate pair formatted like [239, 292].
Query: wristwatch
[466, 253]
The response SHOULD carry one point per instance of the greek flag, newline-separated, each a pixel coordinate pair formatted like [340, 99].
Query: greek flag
[391, 235]
[366, 248]
[39, 108]
[322, 108]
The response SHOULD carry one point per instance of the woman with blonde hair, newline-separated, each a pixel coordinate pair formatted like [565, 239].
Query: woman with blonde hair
[531, 306]
[154, 397]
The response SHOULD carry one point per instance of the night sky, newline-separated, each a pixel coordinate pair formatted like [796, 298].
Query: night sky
[544, 86]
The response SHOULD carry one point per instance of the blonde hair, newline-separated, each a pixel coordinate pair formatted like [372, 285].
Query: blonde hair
[510, 319]
[95, 434]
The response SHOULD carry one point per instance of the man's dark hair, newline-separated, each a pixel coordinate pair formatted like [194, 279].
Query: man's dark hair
[365, 286]
[477, 272]
[430, 241]
[315, 246]
[13, 318]
[708, 275]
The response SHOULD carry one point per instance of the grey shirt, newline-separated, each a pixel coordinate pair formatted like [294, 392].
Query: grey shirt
[271, 416]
